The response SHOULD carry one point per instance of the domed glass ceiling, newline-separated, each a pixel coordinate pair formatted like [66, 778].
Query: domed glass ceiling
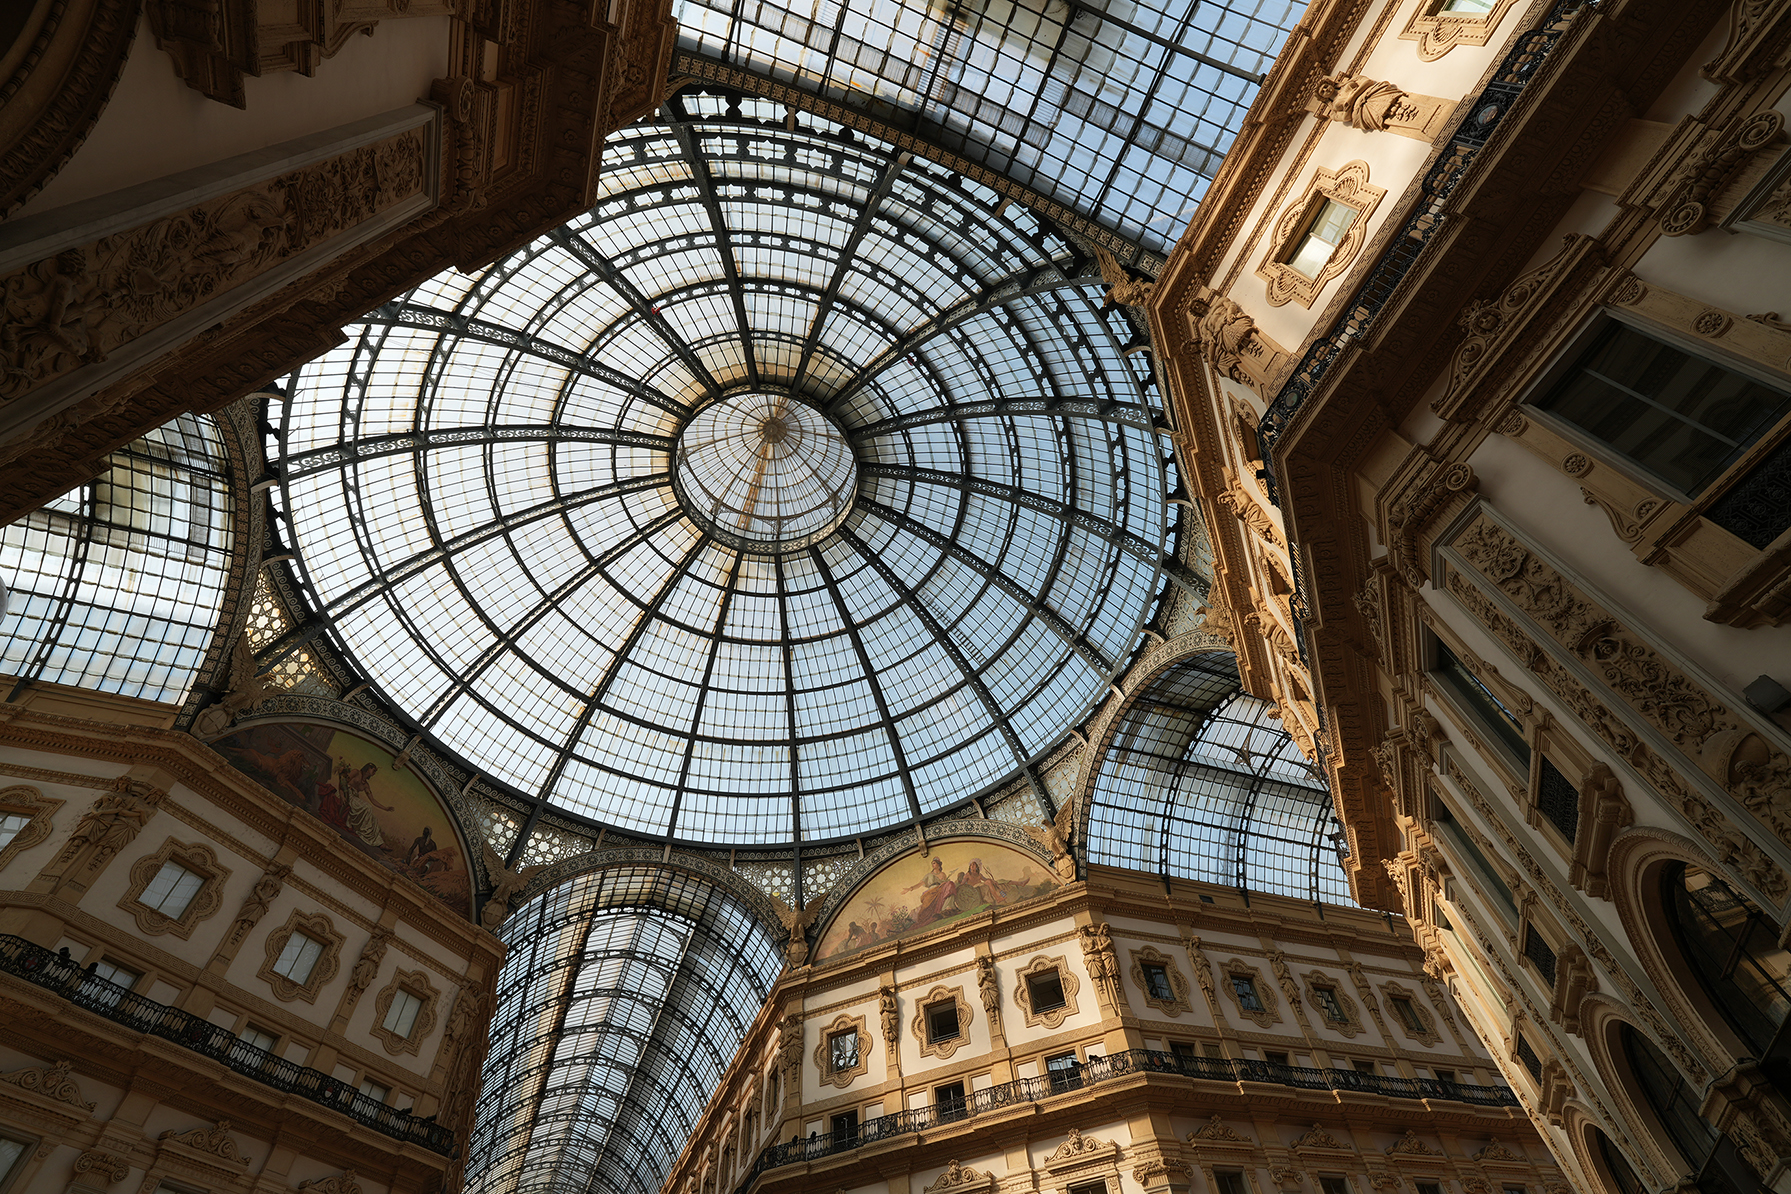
[800, 490]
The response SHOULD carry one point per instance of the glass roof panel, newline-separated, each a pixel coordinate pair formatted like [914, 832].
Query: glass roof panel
[1202, 782]
[797, 490]
[1121, 111]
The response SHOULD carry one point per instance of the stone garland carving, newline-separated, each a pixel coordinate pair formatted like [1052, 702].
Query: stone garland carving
[255, 905]
[1723, 153]
[78, 306]
[1078, 1147]
[1173, 1007]
[1217, 1129]
[418, 984]
[54, 1082]
[215, 1141]
[1348, 186]
[1052, 1018]
[1590, 940]
[1265, 995]
[943, 1049]
[1351, 1023]
[107, 1167]
[21, 800]
[1725, 747]
[1409, 1145]
[892, 1017]
[197, 858]
[861, 1064]
[345, 1182]
[958, 1176]
[318, 927]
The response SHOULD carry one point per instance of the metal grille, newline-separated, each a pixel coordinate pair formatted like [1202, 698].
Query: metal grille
[1527, 1055]
[1757, 508]
[1541, 955]
[1558, 800]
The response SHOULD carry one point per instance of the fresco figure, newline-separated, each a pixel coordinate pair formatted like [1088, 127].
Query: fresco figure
[940, 888]
[357, 790]
[982, 885]
[917, 892]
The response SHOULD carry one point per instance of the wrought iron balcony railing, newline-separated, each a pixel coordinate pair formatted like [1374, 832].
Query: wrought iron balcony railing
[57, 972]
[1106, 1069]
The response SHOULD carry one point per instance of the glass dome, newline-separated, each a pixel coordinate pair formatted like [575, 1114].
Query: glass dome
[800, 490]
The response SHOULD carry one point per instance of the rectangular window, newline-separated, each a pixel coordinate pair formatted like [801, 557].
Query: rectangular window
[1470, 7]
[1274, 1057]
[1444, 1075]
[1245, 987]
[1156, 982]
[1333, 1185]
[1333, 1008]
[376, 1091]
[1491, 882]
[1183, 1050]
[1362, 1065]
[1527, 1055]
[1678, 417]
[1482, 707]
[942, 1022]
[118, 976]
[1558, 800]
[10, 826]
[842, 1048]
[1429, 1188]
[845, 1128]
[252, 1037]
[1541, 955]
[401, 1017]
[1407, 1013]
[1315, 245]
[299, 958]
[950, 1099]
[12, 1157]
[1088, 1188]
[1212, 1049]
[1045, 991]
[1514, 1190]
[172, 890]
[1230, 1183]
[1064, 1071]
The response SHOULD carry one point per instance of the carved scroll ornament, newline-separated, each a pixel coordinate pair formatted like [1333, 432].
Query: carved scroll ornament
[51, 1081]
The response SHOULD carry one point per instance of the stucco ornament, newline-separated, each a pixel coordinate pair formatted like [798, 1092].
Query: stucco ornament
[51, 1081]
[958, 1176]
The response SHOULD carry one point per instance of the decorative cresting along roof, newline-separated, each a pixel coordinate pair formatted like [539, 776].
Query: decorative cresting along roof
[802, 490]
[1119, 111]
[624, 995]
[1201, 782]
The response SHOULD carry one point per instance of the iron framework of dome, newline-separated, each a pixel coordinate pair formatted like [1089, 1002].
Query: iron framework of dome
[802, 490]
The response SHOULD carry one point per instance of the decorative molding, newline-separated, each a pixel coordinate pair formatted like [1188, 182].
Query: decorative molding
[1348, 186]
[1351, 1024]
[1437, 31]
[1162, 1170]
[966, 1016]
[215, 1141]
[958, 1176]
[1216, 1129]
[195, 857]
[1173, 1007]
[1494, 1151]
[1320, 1137]
[842, 1078]
[1078, 1149]
[1236, 968]
[417, 983]
[1052, 1019]
[318, 927]
[346, 1182]
[1427, 1033]
[1719, 158]
[1373, 106]
[55, 1082]
[109, 1168]
[20, 800]
[1409, 1145]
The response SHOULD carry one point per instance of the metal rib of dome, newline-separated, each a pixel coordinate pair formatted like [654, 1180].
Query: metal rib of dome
[933, 543]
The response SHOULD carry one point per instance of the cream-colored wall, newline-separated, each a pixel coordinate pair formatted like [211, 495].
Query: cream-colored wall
[155, 125]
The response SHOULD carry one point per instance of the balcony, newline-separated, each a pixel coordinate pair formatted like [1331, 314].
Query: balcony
[1107, 1069]
[56, 972]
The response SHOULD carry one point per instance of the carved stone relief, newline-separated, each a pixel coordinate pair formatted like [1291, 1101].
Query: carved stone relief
[22, 801]
[417, 983]
[1437, 30]
[841, 1076]
[1348, 186]
[1178, 1001]
[319, 928]
[1231, 342]
[1373, 106]
[197, 858]
[55, 1082]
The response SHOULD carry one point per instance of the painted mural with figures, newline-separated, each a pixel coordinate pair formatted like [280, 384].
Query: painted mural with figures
[918, 892]
[349, 783]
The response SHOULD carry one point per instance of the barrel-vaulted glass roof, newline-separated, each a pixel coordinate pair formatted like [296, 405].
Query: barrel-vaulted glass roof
[801, 489]
[1202, 782]
[1121, 111]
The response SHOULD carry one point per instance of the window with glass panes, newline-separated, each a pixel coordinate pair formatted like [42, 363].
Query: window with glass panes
[942, 1022]
[172, 890]
[1045, 991]
[401, 1017]
[1407, 1013]
[1326, 998]
[1156, 981]
[1312, 249]
[298, 958]
[842, 1049]
[1248, 999]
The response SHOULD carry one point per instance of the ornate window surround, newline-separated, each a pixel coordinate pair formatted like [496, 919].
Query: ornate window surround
[942, 1049]
[1348, 186]
[1271, 1013]
[196, 858]
[1430, 1035]
[417, 983]
[1351, 1024]
[27, 801]
[842, 1078]
[315, 925]
[1177, 982]
[1438, 31]
[1055, 1017]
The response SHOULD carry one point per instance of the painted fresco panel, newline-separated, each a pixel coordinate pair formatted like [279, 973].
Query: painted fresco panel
[349, 783]
[919, 892]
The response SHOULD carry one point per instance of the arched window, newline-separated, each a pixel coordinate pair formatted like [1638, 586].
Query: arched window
[117, 583]
[1673, 1100]
[1616, 1167]
[1734, 951]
